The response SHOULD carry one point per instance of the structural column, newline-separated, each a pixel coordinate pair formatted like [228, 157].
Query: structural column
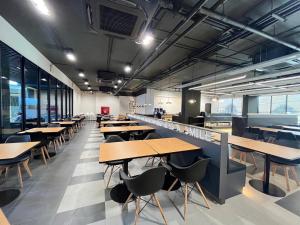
[190, 104]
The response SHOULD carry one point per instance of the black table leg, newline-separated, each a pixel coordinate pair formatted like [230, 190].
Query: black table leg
[265, 186]
[120, 193]
[7, 196]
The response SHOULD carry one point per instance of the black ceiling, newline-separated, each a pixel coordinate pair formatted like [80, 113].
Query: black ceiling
[68, 26]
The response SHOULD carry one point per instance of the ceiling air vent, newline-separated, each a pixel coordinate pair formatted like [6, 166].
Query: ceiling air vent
[116, 21]
[120, 20]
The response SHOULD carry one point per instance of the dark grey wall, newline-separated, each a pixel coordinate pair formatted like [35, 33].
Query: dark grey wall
[188, 109]
[250, 105]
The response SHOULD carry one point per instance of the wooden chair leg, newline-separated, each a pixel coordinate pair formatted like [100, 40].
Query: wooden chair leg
[43, 156]
[20, 176]
[46, 152]
[25, 164]
[287, 178]
[170, 188]
[294, 172]
[241, 156]
[6, 171]
[137, 210]
[274, 169]
[160, 209]
[234, 153]
[127, 200]
[111, 173]
[185, 200]
[200, 190]
[253, 158]
[105, 170]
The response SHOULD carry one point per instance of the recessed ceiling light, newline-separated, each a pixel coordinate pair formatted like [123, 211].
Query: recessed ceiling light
[3, 77]
[41, 6]
[115, 86]
[127, 68]
[86, 82]
[44, 79]
[147, 40]
[119, 81]
[70, 56]
[81, 74]
[89, 88]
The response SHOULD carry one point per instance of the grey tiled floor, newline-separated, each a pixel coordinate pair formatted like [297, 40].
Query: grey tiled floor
[71, 190]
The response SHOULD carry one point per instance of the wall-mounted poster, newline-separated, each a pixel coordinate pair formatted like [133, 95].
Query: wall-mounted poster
[104, 110]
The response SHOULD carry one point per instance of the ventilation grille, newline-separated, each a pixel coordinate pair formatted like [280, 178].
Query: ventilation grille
[116, 21]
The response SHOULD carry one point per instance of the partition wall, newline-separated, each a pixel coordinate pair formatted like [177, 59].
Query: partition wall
[29, 96]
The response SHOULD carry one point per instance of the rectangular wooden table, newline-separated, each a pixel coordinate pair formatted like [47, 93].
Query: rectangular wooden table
[118, 122]
[13, 150]
[170, 145]
[46, 130]
[275, 130]
[64, 122]
[269, 150]
[3, 219]
[125, 128]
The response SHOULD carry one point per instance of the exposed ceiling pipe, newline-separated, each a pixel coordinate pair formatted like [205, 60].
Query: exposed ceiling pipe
[225, 19]
[157, 50]
[241, 70]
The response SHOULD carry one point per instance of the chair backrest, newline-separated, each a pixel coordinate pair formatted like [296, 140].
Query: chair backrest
[18, 138]
[149, 182]
[53, 125]
[286, 139]
[192, 173]
[152, 136]
[258, 131]
[37, 136]
[124, 135]
[253, 136]
[113, 138]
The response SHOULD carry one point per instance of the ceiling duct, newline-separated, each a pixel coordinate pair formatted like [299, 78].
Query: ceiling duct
[105, 76]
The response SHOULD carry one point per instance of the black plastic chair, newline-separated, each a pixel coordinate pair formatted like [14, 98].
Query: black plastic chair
[289, 140]
[148, 137]
[116, 163]
[124, 135]
[142, 135]
[189, 174]
[43, 146]
[244, 151]
[147, 183]
[22, 159]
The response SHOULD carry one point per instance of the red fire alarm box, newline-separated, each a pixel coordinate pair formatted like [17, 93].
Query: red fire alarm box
[104, 110]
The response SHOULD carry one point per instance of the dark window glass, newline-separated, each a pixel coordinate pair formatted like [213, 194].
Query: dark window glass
[31, 94]
[59, 116]
[68, 101]
[53, 99]
[63, 101]
[71, 102]
[11, 95]
[44, 85]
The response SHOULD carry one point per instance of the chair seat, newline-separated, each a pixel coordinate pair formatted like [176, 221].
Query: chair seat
[282, 161]
[16, 160]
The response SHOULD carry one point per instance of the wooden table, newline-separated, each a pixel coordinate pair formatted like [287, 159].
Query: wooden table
[46, 130]
[64, 122]
[269, 150]
[125, 128]
[275, 130]
[170, 145]
[291, 128]
[11, 151]
[118, 122]
[3, 219]
[137, 149]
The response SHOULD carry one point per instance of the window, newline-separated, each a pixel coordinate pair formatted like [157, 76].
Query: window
[278, 104]
[53, 107]
[67, 102]
[11, 91]
[31, 94]
[44, 85]
[63, 101]
[228, 105]
[264, 104]
[59, 115]
[293, 105]
[237, 105]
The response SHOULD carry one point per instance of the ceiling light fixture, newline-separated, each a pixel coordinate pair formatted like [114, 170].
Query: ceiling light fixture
[127, 68]
[119, 81]
[218, 82]
[41, 6]
[89, 88]
[280, 79]
[235, 86]
[44, 79]
[192, 101]
[3, 77]
[70, 55]
[115, 86]
[81, 74]
[86, 82]
[147, 40]
[215, 99]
